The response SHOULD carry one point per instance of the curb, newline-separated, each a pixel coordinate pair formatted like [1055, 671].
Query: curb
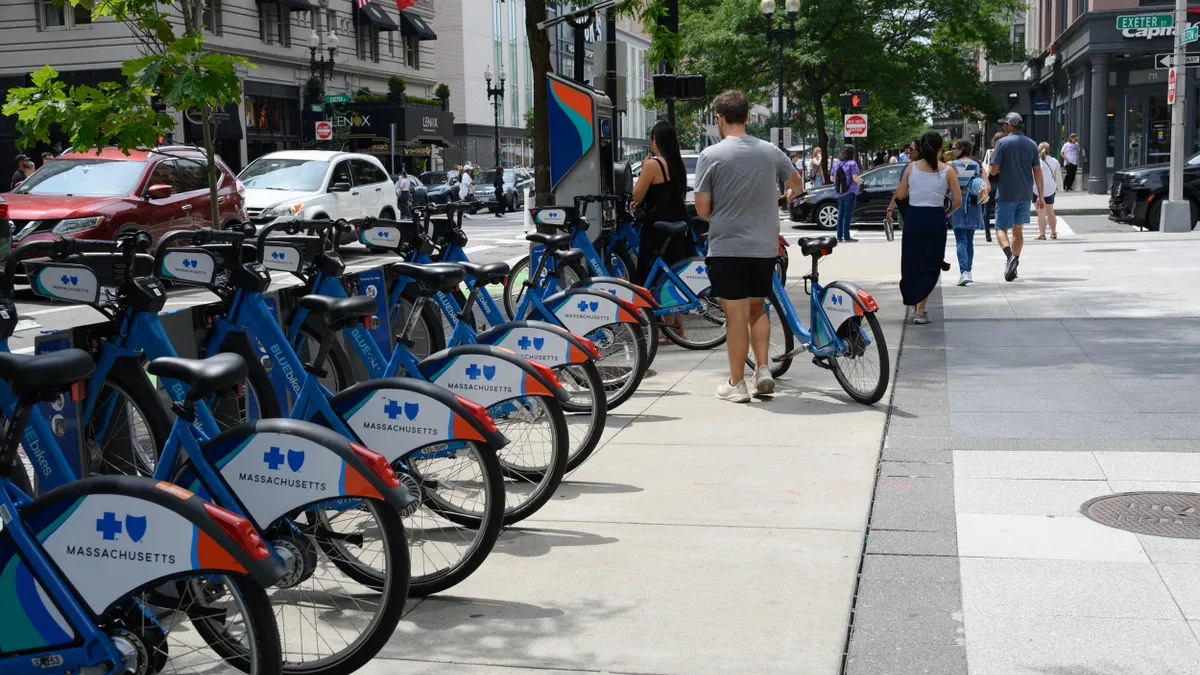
[1082, 211]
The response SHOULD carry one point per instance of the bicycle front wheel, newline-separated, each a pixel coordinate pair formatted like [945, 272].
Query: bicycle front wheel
[700, 328]
[622, 362]
[514, 286]
[862, 369]
[128, 427]
[782, 340]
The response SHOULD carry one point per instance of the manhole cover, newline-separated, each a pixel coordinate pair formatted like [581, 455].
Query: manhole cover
[1163, 514]
[1110, 250]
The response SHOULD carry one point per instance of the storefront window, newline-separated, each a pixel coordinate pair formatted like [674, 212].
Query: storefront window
[1158, 144]
[1135, 122]
[271, 116]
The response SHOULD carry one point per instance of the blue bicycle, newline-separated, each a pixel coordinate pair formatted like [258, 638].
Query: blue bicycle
[273, 472]
[846, 337]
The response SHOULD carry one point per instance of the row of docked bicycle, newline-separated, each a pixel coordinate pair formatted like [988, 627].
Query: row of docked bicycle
[269, 508]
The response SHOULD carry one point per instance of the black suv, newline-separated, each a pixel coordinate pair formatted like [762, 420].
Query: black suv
[1137, 193]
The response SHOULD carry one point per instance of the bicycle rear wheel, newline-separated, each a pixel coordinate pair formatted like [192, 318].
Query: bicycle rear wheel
[586, 412]
[536, 455]
[863, 369]
[622, 362]
[128, 427]
[514, 286]
[782, 340]
[702, 328]
[234, 628]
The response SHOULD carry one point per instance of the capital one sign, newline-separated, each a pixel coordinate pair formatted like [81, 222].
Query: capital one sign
[1151, 33]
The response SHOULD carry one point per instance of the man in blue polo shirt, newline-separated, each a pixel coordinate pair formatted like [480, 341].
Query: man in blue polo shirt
[1018, 173]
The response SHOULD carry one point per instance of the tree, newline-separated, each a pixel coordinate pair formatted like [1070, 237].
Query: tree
[176, 69]
[539, 61]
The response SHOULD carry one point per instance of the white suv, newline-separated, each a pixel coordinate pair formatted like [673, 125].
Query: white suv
[317, 184]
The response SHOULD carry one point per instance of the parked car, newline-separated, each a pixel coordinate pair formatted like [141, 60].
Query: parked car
[90, 196]
[819, 206]
[420, 193]
[689, 163]
[1137, 193]
[441, 186]
[515, 182]
[316, 185]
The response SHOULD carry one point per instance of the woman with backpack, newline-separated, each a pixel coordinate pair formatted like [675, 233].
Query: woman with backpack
[1050, 168]
[926, 183]
[846, 180]
[972, 182]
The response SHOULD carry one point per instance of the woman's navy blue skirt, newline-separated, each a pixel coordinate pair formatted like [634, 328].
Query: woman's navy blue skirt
[922, 252]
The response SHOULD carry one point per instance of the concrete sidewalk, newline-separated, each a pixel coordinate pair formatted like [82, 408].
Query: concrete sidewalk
[1079, 203]
[704, 536]
[1023, 401]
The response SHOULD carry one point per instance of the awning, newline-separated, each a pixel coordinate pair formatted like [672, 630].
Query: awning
[373, 15]
[414, 26]
[294, 5]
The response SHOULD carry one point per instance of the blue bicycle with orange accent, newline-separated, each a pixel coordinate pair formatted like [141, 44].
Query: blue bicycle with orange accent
[845, 338]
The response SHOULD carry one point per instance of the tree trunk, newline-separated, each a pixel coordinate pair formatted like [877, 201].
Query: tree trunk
[818, 100]
[210, 153]
[539, 58]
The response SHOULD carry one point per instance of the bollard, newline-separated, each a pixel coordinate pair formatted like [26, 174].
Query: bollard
[528, 223]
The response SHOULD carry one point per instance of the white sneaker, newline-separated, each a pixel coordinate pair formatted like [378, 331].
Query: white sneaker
[762, 384]
[737, 394]
[964, 279]
[970, 279]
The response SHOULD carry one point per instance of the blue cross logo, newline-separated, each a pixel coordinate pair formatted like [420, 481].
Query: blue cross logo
[393, 410]
[70, 281]
[274, 458]
[108, 526]
[583, 305]
[524, 343]
[700, 269]
[473, 371]
[188, 262]
[836, 299]
[385, 234]
[277, 255]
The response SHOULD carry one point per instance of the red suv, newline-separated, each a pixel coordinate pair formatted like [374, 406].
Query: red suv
[90, 196]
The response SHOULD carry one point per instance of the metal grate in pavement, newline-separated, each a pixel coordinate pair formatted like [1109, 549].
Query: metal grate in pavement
[1162, 514]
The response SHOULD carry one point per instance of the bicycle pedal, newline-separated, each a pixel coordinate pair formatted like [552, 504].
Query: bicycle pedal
[790, 355]
[822, 362]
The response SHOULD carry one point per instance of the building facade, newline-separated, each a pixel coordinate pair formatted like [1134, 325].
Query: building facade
[275, 112]
[1086, 74]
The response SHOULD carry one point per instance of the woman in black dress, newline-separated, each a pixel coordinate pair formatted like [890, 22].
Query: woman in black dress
[659, 194]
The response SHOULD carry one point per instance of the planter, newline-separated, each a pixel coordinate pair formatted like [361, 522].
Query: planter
[397, 99]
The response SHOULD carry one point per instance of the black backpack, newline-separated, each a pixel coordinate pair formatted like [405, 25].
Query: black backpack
[841, 183]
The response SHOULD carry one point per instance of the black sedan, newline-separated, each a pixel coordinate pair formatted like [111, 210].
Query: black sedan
[441, 186]
[819, 206]
[1137, 193]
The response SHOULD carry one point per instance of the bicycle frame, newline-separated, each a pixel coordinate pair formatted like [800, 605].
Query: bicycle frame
[817, 318]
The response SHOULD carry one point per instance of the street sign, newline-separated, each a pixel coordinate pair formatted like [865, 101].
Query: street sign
[324, 131]
[1171, 87]
[1041, 106]
[1165, 61]
[316, 107]
[855, 126]
[1190, 35]
[337, 98]
[1134, 21]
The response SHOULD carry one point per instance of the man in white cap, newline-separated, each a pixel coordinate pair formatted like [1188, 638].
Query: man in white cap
[1016, 180]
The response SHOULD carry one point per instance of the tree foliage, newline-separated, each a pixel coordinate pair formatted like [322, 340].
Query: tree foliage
[175, 67]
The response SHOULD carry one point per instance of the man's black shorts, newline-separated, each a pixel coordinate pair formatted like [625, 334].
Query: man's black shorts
[740, 278]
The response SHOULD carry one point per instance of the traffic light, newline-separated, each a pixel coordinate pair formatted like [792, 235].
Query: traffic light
[854, 99]
[157, 104]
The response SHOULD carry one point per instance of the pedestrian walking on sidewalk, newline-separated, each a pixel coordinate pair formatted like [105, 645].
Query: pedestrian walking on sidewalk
[926, 183]
[498, 186]
[736, 189]
[1017, 167]
[1070, 161]
[967, 220]
[989, 209]
[816, 174]
[846, 179]
[1049, 188]
[404, 194]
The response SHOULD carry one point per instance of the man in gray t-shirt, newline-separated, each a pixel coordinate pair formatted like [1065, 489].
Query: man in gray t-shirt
[737, 191]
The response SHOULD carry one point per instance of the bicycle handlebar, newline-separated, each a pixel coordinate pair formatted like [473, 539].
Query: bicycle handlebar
[294, 227]
[200, 237]
[129, 243]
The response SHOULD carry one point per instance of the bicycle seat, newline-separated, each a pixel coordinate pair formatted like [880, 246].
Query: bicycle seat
[549, 240]
[816, 246]
[202, 376]
[486, 273]
[339, 310]
[434, 278]
[45, 375]
[672, 227]
[569, 255]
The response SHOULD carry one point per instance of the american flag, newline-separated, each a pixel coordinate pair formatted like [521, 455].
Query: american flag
[405, 4]
[361, 3]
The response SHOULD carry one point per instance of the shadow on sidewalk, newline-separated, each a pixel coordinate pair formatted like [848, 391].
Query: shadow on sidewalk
[573, 489]
[537, 542]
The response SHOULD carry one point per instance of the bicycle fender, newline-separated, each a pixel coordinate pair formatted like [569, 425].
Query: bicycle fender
[842, 300]
[539, 341]
[277, 466]
[487, 375]
[397, 415]
[693, 272]
[626, 290]
[583, 310]
[113, 535]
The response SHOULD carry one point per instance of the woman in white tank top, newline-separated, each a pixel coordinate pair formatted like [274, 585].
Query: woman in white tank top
[926, 183]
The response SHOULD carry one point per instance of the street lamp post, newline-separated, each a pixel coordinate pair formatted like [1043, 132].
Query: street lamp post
[780, 36]
[497, 97]
[322, 67]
